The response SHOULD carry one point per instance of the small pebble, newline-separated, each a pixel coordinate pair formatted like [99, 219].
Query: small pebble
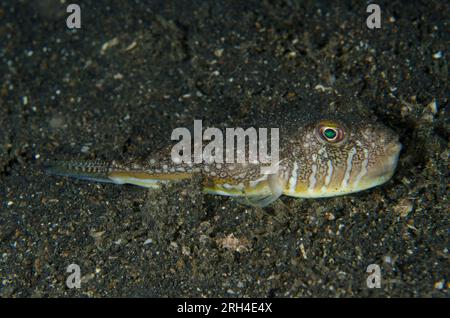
[439, 285]
[109, 44]
[403, 207]
[118, 76]
[432, 107]
[148, 241]
[218, 52]
[437, 55]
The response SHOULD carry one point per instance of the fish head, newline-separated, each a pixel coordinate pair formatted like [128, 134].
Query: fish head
[339, 156]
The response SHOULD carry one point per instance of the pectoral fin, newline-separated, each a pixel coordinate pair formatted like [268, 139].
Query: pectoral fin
[274, 190]
[259, 201]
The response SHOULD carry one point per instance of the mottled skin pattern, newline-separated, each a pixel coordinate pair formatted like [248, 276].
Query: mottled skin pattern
[310, 165]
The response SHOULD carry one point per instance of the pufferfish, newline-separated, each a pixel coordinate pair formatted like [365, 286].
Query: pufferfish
[323, 152]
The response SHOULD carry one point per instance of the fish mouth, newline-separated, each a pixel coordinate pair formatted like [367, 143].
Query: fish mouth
[393, 148]
[393, 153]
[387, 167]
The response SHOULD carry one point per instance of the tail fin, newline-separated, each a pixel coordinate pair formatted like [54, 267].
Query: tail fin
[84, 170]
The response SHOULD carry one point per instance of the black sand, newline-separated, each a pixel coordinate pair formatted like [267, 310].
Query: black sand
[168, 62]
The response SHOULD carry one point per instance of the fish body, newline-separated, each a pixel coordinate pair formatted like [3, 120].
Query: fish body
[322, 154]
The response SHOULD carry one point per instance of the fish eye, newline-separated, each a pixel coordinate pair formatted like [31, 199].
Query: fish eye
[330, 132]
